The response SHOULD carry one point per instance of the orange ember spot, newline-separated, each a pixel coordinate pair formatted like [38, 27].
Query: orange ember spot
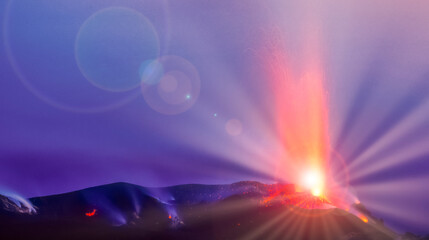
[363, 218]
[90, 214]
[169, 216]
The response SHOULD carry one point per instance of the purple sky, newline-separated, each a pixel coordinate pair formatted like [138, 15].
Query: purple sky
[64, 125]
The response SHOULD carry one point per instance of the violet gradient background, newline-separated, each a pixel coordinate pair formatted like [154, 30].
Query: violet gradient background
[376, 62]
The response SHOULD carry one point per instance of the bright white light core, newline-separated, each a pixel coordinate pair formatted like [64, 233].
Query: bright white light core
[313, 181]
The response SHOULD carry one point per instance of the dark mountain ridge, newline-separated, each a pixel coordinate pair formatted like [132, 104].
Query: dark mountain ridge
[194, 211]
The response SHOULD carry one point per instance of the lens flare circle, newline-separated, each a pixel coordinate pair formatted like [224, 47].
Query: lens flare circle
[234, 127]
[111, 46]
[169, 83]
[44, 60]
[176, 89]
[151, 71]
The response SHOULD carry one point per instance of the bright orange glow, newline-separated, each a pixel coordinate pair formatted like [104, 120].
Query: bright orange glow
[287, 195]
[301, 117]
[301, 110]
[363, 218]
[169, 216]
[90, 214]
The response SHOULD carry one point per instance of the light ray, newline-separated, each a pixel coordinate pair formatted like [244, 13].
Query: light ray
[255, 234]
[412, 153]
[413, 120]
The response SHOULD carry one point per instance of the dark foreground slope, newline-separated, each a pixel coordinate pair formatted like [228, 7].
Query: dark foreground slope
[126, 211]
